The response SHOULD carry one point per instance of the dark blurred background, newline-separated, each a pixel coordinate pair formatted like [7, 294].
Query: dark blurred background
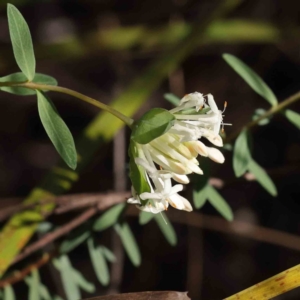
[98, 48]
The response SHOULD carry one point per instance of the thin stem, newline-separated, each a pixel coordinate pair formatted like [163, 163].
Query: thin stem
[272, 111]
[37, 86]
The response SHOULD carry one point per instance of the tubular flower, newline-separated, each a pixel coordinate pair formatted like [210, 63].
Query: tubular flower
[173, 154]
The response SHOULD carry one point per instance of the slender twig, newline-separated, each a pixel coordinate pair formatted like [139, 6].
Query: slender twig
[272, 111]
[44, 87]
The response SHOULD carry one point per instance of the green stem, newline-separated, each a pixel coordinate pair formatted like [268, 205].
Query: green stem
[272, 111]
[36, 86]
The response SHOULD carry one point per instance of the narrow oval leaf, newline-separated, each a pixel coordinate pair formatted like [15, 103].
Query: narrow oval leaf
[152, 125]
[109, 218]
[200, 197]
[241, 154]
[57, 130]
[108, 254]
[219, 203]
[99, 263]
[137, 173]
[82, 282]
[293, 117]
[64, 266]
[33, 283]
[9, 293]
[172, 99]
[262, 177]
[257, 114]
[20, 77]
[44, 293]
[253, 79]
[166, 228]
[70, 244]
[129, 243]
[21, 41]
[145, 217]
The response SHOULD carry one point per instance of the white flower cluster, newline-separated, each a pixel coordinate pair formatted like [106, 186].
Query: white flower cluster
[175, 152]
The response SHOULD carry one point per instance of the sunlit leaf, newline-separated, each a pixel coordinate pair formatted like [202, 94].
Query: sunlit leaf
[293, 117]
[262, 177]
[200, 197]
[20, 77]
[70, 244]
[253, 79]
[151, 125]
[108, 254]
[57, 130]
[129, 243]
[82, 282]
[9, 293]
[21, 41]
[172, 99]
[64, 266]
[241, 154]
[219, 203]
[166, 228]
[145, 217]
[109, 218]
[99, 263]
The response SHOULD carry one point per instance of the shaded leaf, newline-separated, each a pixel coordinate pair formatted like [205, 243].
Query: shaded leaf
[44, 227]
[82, 282]
[262, 177]
[166, 228]
[33, 283]
[57, 130]
[21, 41]
[99, 263]
[259, 112]
[200, 197]
[293, 117]
[9, 293]
[109, 218]
[20, 77]
[241, 154]
[56, 297]
[145, 217]
[172, 99]
[129, 243]
[64, 266]
[70, 244]
[44, 293]
[108, 254]
[253, 79]
[152, 125]
[219, 203]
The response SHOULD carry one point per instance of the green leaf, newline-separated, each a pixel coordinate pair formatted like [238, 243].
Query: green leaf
[57, 130]
[262, 177]
[129, 243]
[137, 173]
[44, 227]
[99, 263]
[70, 244]
[9, 293]
[108, 254]
[152, 125]
[20, 77]
[109, 218]
[21, 41]
[145, 217]
[56, 297]
[219, 203]
[172, 99]
[241, 154]
[33, 283]
[293, 117]
[82, 282]
[200, 197]
[166, 228]
[64, 266]
[44, 293]
[258, 113]
[253, 79]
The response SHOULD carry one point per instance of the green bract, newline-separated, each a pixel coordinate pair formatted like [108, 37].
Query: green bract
[20, 77]
[57, 130]
[253, 79]
[152, 125]
[241, 154]
[21, 41]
